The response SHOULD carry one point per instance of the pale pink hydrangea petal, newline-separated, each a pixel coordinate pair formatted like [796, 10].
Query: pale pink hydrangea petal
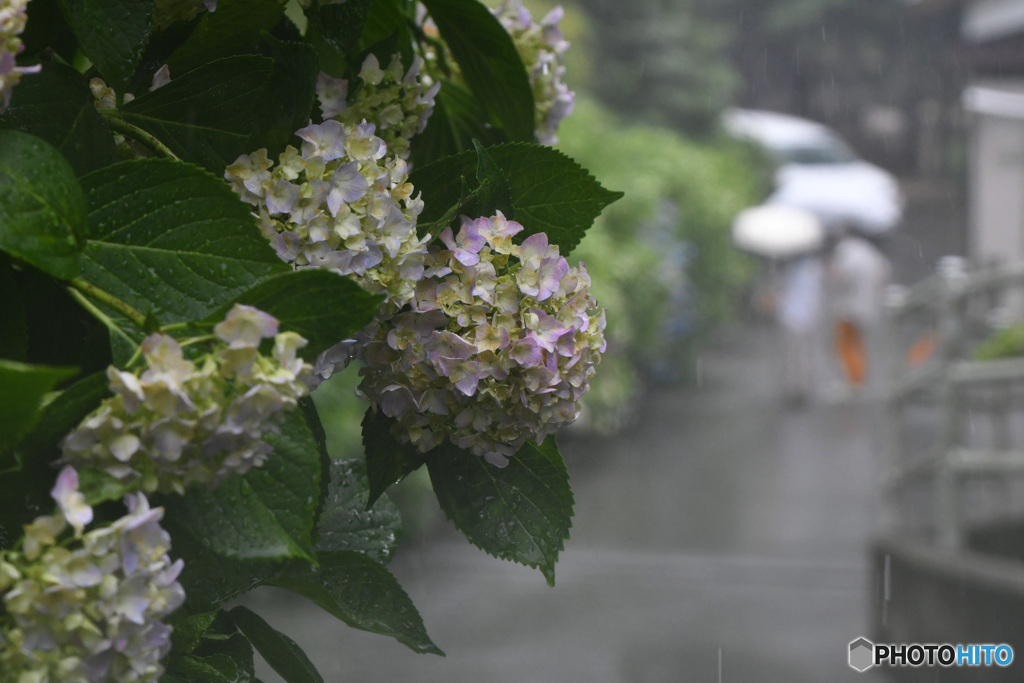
[325, 140]
[332, 93]
[245, 327]
[347, 185]
[70, 501]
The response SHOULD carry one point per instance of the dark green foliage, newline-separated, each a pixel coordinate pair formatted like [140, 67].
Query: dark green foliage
[42, 210]
[521, 512]
[206, 116]
[57, 106]
[387, 461]
[112, 33]
[489, 62]
[349, 521]
[267, 514]
[234, 29]
[363, 594]
[186, 247]
[280, 651]
[549, 192]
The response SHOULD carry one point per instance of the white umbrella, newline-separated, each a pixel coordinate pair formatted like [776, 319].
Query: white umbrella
[777, 231]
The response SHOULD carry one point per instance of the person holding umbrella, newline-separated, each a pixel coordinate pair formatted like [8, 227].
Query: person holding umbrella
[793, 239]
[857, 276]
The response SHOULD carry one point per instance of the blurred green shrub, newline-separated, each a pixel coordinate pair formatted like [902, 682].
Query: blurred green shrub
[661, 258]
[1008, 343]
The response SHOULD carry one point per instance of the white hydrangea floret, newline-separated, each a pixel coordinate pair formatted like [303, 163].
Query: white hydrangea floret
[398, 102]
[341, 203]
[542, 47]
[12, 23]
[180, 422]
[88, 609]
[498, 346]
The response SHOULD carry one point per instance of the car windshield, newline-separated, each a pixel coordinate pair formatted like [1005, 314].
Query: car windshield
[825, 151]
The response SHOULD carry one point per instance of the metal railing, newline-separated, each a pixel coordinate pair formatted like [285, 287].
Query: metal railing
[932, 404]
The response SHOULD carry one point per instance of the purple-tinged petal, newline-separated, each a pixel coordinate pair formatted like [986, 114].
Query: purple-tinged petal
[347, 185]
[282, 197]
[526, 352]
[326, 140]
[70, 500]
[333, 95]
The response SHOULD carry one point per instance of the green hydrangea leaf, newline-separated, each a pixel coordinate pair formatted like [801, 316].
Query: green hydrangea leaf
[208, 578]
[322, 306]
[267, 514]
[235, 522]
[189, 630]
[489, 62]
[26, 473]
[57, 106]
[387, 460]
[33, 420]
[348, 523]
[363, 594]
[182, 248]
[493, 192]
[67, 409]
[457, 121]
[290, 96]
[386, 21]
[340, 25]
[222, 654]
[206, 115]
[521, 512]
[60, 330]
[281, 652]
[42, 209]
[112, 33]
[234, 29]
[23, 393]
[13, 314]
[550, 192]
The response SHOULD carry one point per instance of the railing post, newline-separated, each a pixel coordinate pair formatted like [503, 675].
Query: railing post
[892, 414]
[949, 523]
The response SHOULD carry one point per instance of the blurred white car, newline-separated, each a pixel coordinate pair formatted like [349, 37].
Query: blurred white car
[817, 171]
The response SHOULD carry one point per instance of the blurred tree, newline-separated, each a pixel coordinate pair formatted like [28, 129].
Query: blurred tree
[884, 76]
[662, 61]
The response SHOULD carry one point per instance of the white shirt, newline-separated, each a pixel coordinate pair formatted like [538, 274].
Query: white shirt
[799, 303]
[858, 274]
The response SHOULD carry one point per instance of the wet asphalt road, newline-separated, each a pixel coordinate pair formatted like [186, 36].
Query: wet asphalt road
[722, 538]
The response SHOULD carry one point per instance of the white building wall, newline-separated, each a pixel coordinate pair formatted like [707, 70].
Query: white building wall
[996, 173]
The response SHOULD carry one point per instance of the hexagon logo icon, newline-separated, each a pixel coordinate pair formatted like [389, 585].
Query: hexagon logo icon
[862, 654]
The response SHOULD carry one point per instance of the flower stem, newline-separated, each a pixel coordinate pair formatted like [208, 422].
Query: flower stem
[118, 124]
[102, 317]
[196, 340]
[137, 318]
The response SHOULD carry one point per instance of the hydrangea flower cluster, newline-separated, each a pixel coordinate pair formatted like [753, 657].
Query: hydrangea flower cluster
[498, 346]
[542, 48]
[181, 422]
[339, 203]
[396, 101]
[89, 608]
[12, 23]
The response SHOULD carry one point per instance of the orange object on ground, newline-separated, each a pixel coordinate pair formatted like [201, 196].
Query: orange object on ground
[922, 349]
[850, 347]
